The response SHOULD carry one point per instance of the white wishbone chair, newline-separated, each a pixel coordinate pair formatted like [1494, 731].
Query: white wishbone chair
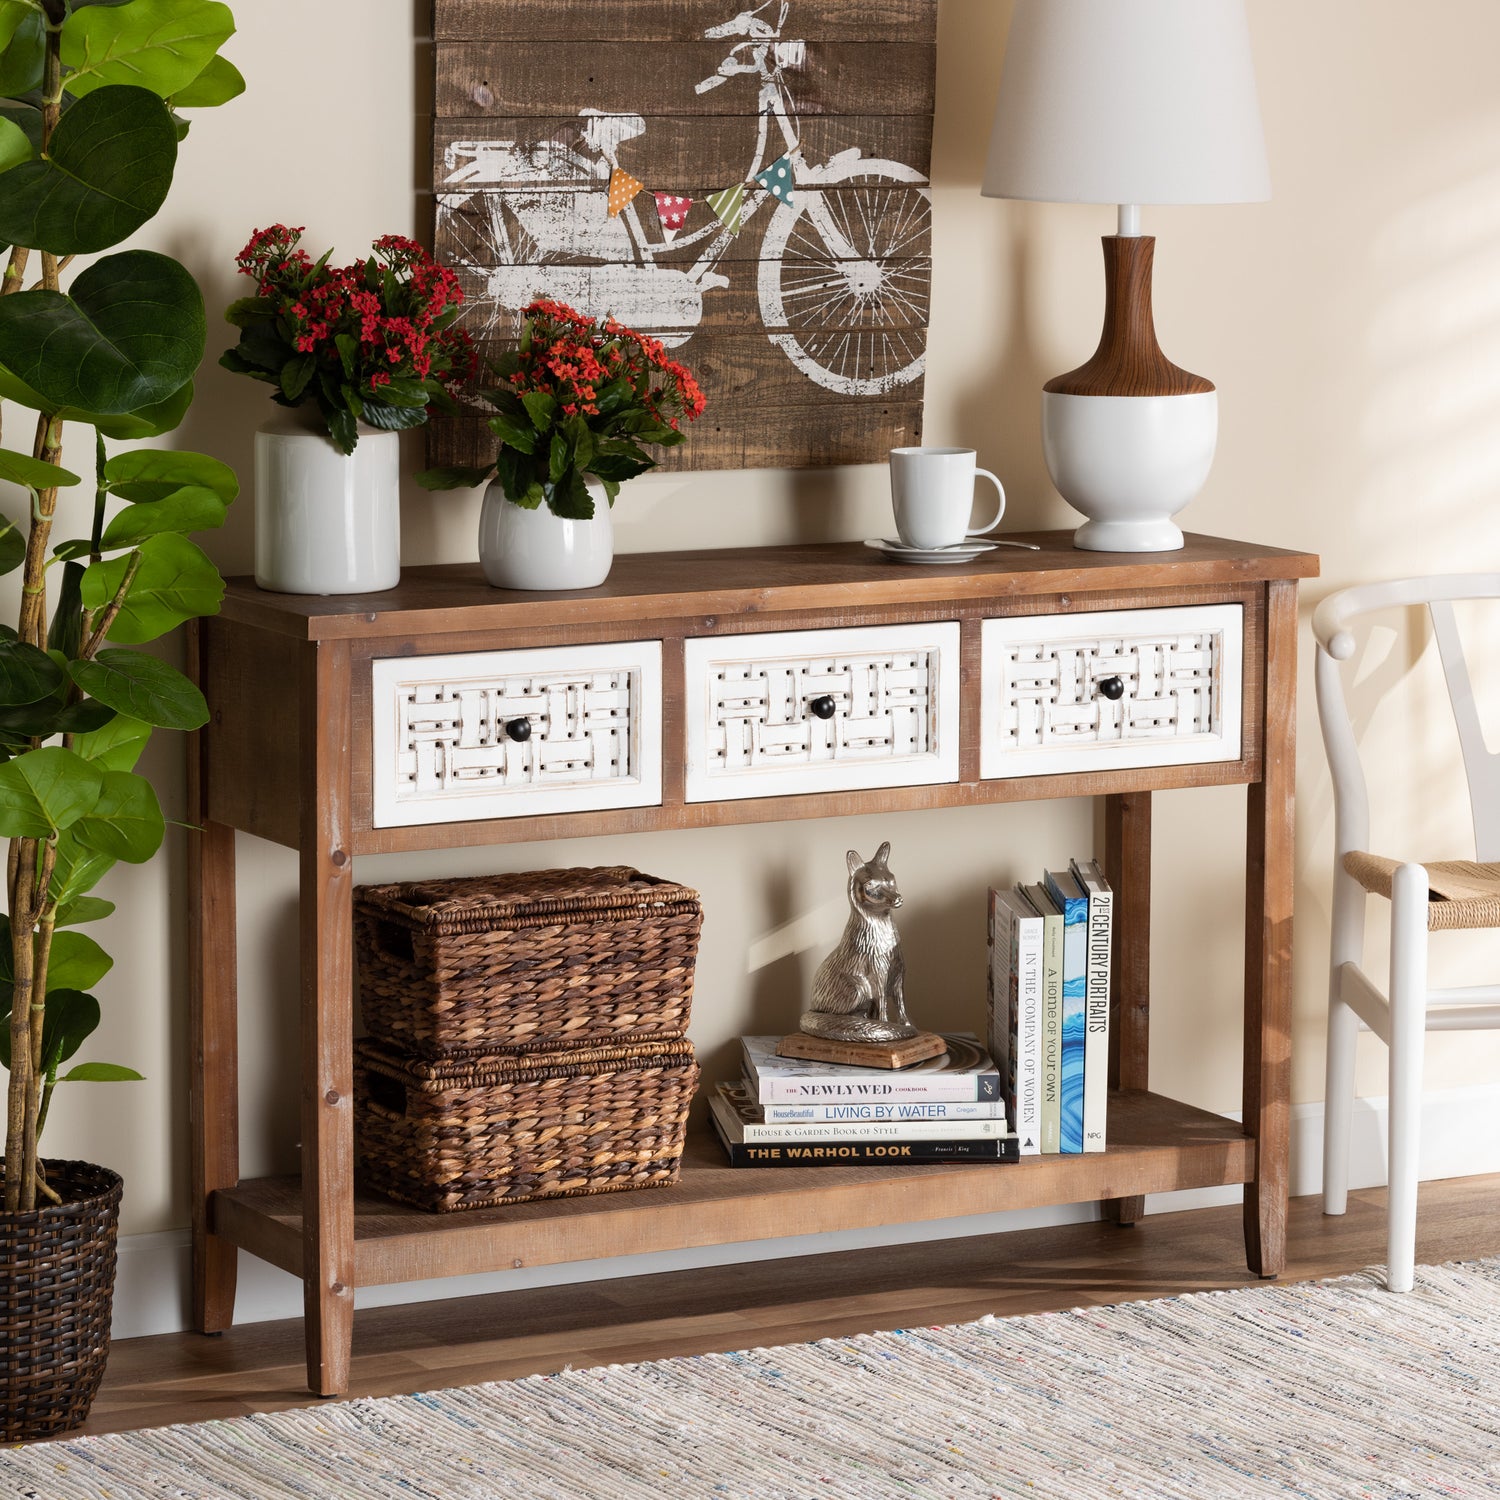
[1445, 895]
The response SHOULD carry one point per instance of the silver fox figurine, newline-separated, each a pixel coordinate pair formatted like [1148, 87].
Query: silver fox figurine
[858, 989]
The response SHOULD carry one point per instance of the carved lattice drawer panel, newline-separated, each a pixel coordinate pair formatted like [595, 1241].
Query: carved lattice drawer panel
[821, 710]
[1115, 690]
[503, 734]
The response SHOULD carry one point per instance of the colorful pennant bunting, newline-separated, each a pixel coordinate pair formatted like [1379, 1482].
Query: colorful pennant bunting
[672, 211]
[728, 206]
[622, 188]
[777, 179]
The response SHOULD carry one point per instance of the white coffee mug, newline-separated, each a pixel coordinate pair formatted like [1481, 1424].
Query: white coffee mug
[932, 491]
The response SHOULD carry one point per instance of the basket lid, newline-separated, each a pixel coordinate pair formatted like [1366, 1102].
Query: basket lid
[474, 903]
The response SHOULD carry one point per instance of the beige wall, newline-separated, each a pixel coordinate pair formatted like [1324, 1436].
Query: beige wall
[1353, 328]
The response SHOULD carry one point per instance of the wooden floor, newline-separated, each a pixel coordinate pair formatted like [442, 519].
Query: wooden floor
[188, 1378]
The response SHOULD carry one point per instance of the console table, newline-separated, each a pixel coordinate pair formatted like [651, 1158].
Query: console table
[696, 689]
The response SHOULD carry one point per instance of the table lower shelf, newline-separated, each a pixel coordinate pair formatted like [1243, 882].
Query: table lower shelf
[1157, 1145]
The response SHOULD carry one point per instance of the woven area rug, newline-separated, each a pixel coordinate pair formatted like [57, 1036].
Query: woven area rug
[1333, 1391]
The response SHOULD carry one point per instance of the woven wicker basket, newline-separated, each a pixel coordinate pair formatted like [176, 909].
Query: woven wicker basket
[507, 963]
[57, 1283]
[467, 1133]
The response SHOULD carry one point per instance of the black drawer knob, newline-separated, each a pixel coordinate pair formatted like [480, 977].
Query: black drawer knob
[518, 729]
[1112, 688]
[823, 707]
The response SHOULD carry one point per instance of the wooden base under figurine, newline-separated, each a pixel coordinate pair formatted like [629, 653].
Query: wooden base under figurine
[903, 1054]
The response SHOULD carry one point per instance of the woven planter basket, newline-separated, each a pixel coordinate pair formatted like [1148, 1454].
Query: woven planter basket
[506, 963]
[57, 1284]
[478, 1131]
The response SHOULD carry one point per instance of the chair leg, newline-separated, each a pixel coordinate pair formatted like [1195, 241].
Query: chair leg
[1408, 1035]
[1343, 1036]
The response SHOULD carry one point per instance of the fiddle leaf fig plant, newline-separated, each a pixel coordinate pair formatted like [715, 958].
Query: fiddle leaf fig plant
[91, 101]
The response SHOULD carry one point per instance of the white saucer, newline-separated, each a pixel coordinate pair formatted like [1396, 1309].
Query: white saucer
[959, 552]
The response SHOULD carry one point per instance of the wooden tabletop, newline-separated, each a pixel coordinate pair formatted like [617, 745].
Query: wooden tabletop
[749, 580]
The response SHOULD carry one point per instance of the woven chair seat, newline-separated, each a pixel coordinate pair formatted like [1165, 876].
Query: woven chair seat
[1461, 893]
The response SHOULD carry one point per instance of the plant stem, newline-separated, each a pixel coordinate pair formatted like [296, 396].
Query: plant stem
[33, 622]
[15, 272]
[20, 1164]
[110, 610]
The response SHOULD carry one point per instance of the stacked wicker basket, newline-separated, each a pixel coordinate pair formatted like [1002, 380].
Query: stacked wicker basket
[527, 1035]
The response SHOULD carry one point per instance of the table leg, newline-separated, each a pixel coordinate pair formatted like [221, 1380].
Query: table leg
[1268, 945]
[213, 1085]
[1127, 867]
[213, 1043]
[326, 907]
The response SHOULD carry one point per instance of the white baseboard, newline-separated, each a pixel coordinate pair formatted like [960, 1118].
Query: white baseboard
[1458, 1140]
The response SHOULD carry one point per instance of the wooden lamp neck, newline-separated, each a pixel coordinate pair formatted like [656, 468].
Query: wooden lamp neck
[1128, 361]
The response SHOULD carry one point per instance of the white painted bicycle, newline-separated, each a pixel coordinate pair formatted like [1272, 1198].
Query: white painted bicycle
[843, 276]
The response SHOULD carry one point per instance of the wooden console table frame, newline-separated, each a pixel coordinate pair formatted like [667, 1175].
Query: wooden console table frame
[287, 754]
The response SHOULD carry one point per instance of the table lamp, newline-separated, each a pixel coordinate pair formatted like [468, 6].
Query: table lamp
[1128, 102]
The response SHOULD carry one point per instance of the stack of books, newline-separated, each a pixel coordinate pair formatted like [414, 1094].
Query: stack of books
[787, 1112]
[1049, 1007]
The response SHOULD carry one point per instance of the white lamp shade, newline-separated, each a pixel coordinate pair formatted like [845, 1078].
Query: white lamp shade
[1128, 101]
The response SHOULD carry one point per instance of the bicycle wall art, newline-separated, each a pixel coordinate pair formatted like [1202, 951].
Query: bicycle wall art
[749, 185]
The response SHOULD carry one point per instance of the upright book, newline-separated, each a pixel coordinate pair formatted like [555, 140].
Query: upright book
[1096, 1001]
[965, 1075]
[1015, 1002]
[1052, 1008]
[1064, 889]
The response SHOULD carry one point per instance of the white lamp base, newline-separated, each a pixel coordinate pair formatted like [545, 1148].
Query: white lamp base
[1129, 463]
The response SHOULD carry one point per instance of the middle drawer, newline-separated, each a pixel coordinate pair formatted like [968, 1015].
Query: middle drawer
[821, 710]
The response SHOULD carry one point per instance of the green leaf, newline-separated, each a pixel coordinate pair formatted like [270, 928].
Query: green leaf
[12, 546]
[175, 582]
[394, 418]
[27, 674]
[342, 430]
[72, 1018]
[541, 408]
[105, 173]
[77, 962]
[558, 458]
[54, 715]
[141, 687]
[45, 791]
[21, 468]
[84, 909]
[131, 334]
[513, 433]
[571, 498]
[78, 869]
[453, 477]
[126, 821]
[65, 634]
[98, 1072]
[145, 421]
[22, 62]
[161, 45]
[217, 84]
[191, 508]
[145, 474]
[15, 147]
[117, 746]
[12, 13]
[295, 375]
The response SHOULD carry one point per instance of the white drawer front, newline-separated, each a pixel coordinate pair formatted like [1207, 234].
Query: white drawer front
[1044, 711]
[443, 753]
[753, 730]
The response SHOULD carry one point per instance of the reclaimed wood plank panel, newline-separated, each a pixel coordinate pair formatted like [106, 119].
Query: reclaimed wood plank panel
[737, 306]
[672, 20]
[552, 78]
[792, 437]
[673, 157]
[537, 106]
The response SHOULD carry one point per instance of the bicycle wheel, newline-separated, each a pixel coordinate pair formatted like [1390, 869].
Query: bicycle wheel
[856, 327]
[476, 238]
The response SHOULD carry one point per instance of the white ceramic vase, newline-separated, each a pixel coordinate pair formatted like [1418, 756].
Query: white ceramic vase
[1129, 463]
[534, 549]
[325, 522]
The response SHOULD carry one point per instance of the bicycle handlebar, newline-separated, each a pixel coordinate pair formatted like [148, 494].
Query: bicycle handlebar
[711, 82]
